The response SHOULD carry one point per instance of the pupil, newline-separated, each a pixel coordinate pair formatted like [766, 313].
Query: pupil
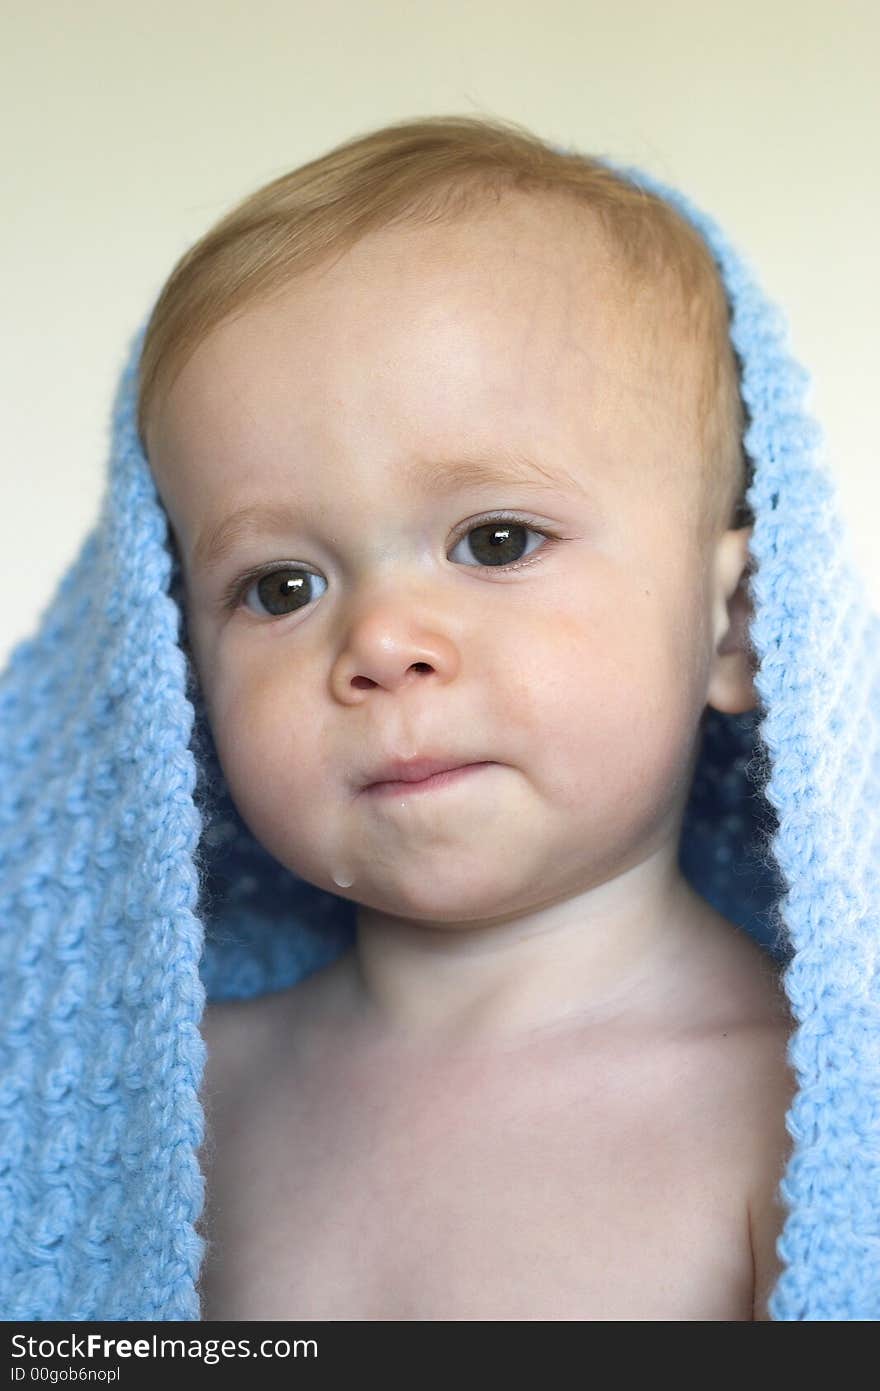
[494, 541]
[293, 590]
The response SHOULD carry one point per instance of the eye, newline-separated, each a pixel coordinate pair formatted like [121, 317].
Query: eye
[498, 542]
[279, 592]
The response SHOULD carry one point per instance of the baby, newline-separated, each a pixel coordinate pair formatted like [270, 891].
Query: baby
[460, 583]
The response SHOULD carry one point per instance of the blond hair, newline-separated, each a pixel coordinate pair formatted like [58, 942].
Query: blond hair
[437, 169]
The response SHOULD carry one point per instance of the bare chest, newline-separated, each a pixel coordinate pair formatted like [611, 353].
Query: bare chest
[575, 1194]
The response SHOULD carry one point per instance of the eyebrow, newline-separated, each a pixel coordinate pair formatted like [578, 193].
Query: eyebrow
[431, 477]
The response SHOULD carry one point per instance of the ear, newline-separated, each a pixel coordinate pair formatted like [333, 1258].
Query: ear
[731, 687]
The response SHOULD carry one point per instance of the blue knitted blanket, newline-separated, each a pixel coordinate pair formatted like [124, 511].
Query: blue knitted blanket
[131, 891]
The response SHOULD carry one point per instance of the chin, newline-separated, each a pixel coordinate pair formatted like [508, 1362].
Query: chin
[458, 906]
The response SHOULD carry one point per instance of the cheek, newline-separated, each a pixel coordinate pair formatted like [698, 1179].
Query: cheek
[608, 700]
[273, 749]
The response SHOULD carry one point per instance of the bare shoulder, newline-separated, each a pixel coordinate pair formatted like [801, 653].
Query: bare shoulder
[748, 1009]
[768, 1089]
[231, 1028]
[247, 1039]
[775, 1090]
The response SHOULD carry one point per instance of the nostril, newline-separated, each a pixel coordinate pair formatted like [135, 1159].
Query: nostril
[421, 666]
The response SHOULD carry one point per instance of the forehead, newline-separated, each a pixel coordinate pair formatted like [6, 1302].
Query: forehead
[515, 330]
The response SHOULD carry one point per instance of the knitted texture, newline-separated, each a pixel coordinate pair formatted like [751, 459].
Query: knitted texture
[131, 891]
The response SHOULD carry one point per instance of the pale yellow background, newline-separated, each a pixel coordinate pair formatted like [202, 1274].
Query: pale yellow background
[129, 128]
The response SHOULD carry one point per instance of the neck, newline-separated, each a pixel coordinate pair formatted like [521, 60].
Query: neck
[613, 949]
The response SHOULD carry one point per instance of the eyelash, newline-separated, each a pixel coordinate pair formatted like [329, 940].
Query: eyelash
[234, 594]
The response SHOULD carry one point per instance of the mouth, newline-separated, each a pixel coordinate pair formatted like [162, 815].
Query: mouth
[423, 775]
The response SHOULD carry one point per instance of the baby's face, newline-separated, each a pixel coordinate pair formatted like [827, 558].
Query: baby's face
[385, 410]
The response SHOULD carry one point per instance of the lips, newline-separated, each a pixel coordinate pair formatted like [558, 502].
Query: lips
[416, 769]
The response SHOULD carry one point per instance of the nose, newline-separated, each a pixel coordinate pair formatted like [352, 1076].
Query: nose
[388, 645]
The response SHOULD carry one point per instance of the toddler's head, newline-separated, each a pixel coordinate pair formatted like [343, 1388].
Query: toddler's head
[448, 431]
